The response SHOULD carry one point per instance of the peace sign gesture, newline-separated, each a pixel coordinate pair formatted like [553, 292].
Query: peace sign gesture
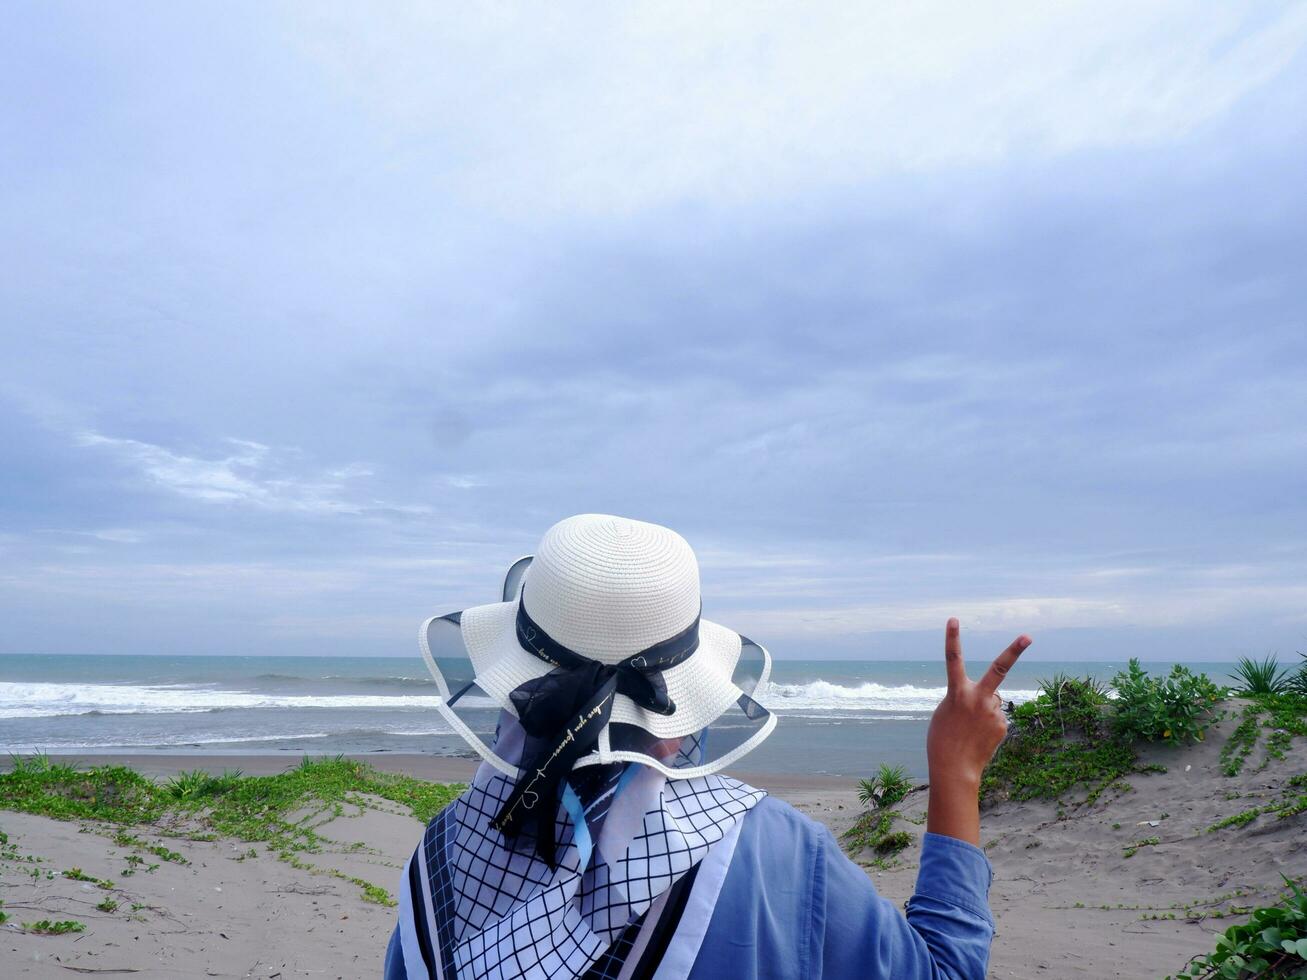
[958, 681]
[964, 733]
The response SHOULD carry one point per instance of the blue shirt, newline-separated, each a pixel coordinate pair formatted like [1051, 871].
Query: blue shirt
[793, 905]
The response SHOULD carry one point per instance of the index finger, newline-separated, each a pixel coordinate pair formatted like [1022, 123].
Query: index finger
[1003, 663]
[957, 670]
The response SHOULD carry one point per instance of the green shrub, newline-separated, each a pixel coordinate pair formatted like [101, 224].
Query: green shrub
[890, 785]
[47, 928]
[1272, 944]
[1058, 740]
[1074, 734]
[1173, 709]
[893, 842]
[1261, 677]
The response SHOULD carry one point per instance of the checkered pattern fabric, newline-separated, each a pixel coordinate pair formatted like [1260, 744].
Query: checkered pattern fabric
[499, 911]
[609, 965]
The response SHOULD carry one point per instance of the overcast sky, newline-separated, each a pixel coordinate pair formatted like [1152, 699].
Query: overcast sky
[316, 316]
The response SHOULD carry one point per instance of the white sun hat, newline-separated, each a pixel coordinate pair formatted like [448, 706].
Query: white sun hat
[606, 604]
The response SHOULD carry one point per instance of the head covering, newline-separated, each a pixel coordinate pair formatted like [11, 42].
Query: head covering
[599, 650]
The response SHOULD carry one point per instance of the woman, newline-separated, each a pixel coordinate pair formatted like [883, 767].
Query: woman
[599, 838]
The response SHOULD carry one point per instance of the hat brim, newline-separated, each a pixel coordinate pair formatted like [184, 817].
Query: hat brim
[702, 687]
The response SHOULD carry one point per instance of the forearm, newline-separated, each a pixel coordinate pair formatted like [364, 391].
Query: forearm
[953, 807]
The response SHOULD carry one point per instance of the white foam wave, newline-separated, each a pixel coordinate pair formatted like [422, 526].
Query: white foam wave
[187, 740]
[787, 699]
[46, 700]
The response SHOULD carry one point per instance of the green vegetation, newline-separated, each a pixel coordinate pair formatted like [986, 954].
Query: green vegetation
[1175, 709]
[108, 905]
[1059, 740]
[159, 851]
[280, 811]
[1133, 849]
[1074, 734]
[1293, 801]
[137, 863]
[1241, 741]
[1283, 716]
[1272, 944]
[47, 928]
[1261, 677]
[198, 784]
[889, 786]
[1194, 910]
[874, 830]
[1297, 683]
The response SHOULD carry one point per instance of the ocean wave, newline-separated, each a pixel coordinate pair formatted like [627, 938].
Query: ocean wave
[351, 739]
[393, 681]
[822, 695]
[45, 700]
[386, 681]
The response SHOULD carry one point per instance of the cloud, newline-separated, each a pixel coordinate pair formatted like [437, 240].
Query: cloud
[1285, 604]
[638, 107]
[253, 475]
[895, 313]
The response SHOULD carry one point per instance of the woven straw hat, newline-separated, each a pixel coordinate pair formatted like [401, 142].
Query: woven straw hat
[607, 588]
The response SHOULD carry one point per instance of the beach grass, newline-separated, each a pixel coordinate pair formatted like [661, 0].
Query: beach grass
[280, 811]
[1261, 677]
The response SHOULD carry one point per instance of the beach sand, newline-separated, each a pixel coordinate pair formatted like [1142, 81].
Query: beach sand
[1067, 900]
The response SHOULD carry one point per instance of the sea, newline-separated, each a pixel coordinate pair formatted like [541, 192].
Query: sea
[835, 717]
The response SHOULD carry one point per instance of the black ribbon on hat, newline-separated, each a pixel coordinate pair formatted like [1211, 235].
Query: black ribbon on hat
[565, 710]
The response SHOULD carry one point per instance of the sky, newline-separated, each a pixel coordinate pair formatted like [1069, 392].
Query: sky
[316, 316]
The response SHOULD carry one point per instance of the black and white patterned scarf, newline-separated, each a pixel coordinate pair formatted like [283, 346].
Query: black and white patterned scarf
[475, 905]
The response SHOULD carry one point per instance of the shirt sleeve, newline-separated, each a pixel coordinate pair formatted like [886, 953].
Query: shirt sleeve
[946, 933]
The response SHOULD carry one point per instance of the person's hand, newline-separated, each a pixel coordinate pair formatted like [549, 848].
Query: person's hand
[969, 723]
[964, 732]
